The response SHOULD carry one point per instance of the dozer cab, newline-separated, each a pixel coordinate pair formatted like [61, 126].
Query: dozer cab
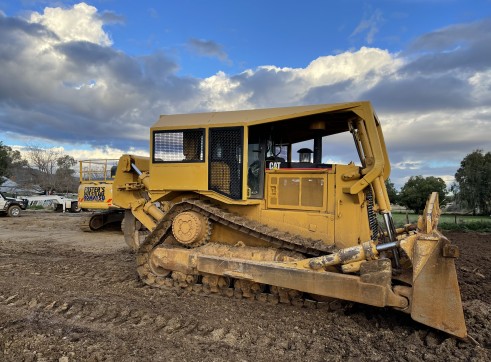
[95, 193]
[244, 203]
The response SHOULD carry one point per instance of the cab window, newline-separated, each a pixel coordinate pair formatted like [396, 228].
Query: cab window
[179, 146]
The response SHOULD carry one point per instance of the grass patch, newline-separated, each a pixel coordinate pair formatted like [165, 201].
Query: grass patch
[450, 222]
[479, 226]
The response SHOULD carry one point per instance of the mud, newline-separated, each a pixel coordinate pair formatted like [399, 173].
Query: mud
[66, 295]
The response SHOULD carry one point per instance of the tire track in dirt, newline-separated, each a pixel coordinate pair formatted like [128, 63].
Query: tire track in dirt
[59, 299]
[92, 310]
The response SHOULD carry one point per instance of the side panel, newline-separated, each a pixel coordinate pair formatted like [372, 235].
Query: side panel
[298, 191]
[297, 201]
[312, 225]
[170, 177]
[311, 203]
[95, 195]
[96, 184]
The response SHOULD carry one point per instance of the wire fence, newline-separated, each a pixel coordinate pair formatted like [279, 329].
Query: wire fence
[456, 218]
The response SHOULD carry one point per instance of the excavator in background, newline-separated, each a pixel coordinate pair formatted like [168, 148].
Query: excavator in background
[95, 193]
[231, 210]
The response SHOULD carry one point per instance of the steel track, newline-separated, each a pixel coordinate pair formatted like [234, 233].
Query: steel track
[225, 285]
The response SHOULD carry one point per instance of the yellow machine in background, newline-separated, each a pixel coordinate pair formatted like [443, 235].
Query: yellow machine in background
[96, 193]
[231, 209]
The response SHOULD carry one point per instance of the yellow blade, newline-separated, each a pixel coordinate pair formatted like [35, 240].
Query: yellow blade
[436, 295]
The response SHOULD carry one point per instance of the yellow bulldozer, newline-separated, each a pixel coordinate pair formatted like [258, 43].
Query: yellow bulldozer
[242, 203]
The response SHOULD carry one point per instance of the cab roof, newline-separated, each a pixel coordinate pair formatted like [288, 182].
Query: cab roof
[314, 113]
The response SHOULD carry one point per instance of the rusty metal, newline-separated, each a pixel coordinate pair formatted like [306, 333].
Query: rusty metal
[451, 251]
[365, 251]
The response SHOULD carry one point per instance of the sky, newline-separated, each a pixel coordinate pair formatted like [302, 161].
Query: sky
[90, 78]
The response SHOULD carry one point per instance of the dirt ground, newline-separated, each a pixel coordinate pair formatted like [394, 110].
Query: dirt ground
[66, 295]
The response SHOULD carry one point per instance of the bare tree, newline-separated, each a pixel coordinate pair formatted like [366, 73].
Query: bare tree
[44, 163]
[52, 170]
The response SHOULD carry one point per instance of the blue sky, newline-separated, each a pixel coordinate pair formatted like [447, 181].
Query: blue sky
[92, 77]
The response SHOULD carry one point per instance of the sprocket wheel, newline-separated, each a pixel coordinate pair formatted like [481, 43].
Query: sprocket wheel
[191, 229]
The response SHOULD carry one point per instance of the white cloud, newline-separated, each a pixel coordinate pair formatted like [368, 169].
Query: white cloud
[104, 153]
[480, 85]
[449, 179]
[369, 25]
[357, 65]
[79, 23]
[222, 93]
[62, 81]
[88, 153]
[408, 164]
[270, 86]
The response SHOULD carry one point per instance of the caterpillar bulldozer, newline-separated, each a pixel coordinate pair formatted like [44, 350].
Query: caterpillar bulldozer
[95, 193]
[231, 210]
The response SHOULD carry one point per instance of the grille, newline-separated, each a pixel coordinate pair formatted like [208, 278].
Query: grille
[225, 173]
[179, 146]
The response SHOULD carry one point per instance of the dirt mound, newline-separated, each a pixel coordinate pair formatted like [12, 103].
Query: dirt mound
[66, 295]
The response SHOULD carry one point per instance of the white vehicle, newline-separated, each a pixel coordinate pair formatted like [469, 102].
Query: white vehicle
[10, 206]
[55, 202]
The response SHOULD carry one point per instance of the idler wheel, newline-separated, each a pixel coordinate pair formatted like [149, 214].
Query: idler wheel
[191, 229]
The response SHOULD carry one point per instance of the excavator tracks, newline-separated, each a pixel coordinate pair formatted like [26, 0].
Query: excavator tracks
[227, 286]
[85, 224]
[98, 221]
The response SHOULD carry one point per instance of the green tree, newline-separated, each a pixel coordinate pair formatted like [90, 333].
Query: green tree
[4, 162]
[473, 182]
[64, 175]
[392, 192]
[416, 190]
[10, 160]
